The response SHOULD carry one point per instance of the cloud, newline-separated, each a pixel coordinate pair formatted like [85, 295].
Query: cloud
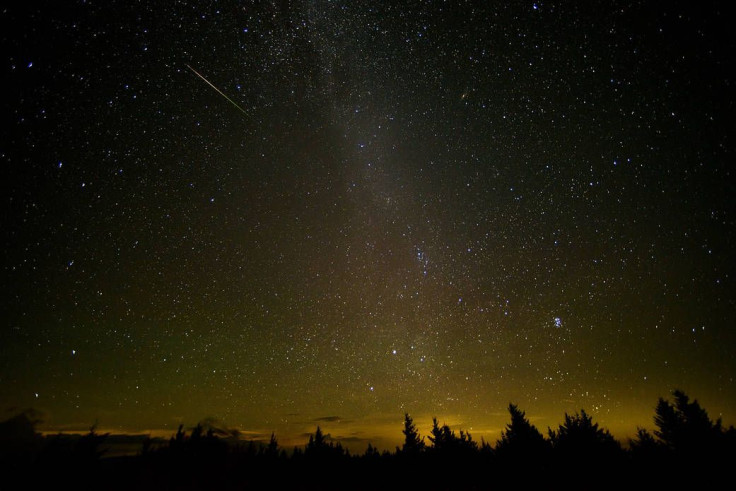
[34, 415]
[219, 428]
[328, 419]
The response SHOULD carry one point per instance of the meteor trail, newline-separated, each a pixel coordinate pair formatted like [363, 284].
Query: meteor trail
[218, 90]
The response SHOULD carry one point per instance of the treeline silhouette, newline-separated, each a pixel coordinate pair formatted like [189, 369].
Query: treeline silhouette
[686, 447]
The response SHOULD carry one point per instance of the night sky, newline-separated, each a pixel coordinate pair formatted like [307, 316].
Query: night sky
[284, 214]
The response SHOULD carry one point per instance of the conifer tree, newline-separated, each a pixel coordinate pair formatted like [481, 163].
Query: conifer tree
[413, 443]
[520, 436]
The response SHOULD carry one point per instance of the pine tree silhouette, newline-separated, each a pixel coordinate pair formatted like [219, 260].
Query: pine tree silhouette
[413, 443]
[685, 426]
[371, 452]
[580, 437]
[272, 450]
[445, 441]
[521, 438]
[316, 442]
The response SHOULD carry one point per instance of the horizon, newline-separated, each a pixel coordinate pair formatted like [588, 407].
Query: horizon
[356, 436]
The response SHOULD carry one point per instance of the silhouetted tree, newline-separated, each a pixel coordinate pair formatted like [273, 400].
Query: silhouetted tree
[19, 428]
[337, 449]
[297, 454]
[413, 443]
[693, 440]
[147, 448]
[445, 440]
[87, 448]
[19, 441]
[685, 438]
[646, 450]
[178, 439]
[486, 450]
[318, 448]
[197, 433]
[371, 452]
[272, 450]
[644, 441]
[578, 435]
[587, 452]
[439, 435]
[521, 438]
[316, 442]
[685, 426]
[466, 442]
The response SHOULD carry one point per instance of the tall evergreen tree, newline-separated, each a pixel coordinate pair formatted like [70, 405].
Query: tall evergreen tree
[316, 442]
[685, 426]
[272, 450]
[413, 443]
[579, 436]
[439, 435]
[521, 437]
[446, 441]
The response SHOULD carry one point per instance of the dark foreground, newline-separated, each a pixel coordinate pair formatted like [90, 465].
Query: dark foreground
[687, 449]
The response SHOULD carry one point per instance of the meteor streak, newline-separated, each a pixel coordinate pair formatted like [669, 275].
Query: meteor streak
[218, 90]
